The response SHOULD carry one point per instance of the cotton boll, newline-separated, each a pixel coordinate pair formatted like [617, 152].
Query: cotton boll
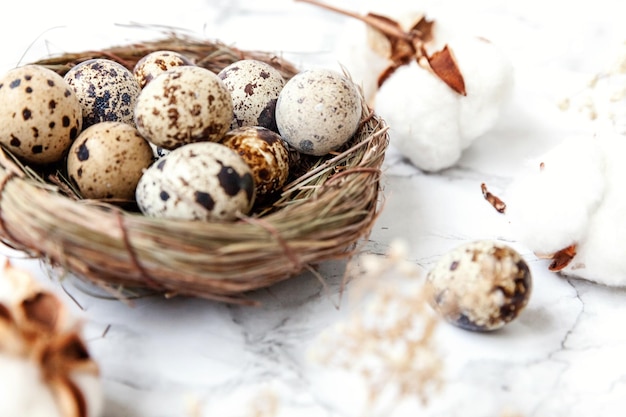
[433, 123]
[422, 112]
[365, 52]
[600, 255]
[45, 368]
[580, 202]
[362, 62]
[489, 81]
[23, 392]
[551, 202]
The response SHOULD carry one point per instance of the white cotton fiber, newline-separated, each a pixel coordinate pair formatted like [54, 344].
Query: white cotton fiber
[422, 112]
[551, 202]
[601, 255]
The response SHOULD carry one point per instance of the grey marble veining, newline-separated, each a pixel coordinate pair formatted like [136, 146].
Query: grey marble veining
[181, 357]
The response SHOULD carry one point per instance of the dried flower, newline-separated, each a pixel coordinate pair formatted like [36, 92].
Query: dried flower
[388, 339]
[603, 99]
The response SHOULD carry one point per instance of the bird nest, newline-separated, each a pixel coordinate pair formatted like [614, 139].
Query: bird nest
[327, 207]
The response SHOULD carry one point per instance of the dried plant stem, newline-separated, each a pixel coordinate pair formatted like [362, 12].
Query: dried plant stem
[376, 23]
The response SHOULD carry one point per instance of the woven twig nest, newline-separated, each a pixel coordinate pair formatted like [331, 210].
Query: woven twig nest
[326, 208]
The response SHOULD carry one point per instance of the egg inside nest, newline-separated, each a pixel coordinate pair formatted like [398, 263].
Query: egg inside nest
[198, 181]
[266, 154]
[186, 104]
[106, 89]
[254, 87]
[41, 115]
[107, 160]
[318, 110]
[156, 63]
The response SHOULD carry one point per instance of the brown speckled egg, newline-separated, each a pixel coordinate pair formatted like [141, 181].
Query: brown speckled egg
[266, 154]
[107, 160]
[107, 91]
[156, 63]
[158, 151]
[40, 114]
[198, 181]
[184, 105]
[480, 286]
[318, 110]
[254, 86]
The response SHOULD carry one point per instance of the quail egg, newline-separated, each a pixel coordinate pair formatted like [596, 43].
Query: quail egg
[106, 89]
[158, 151]
[197, 181]
[41, 116]
[318, 110]
[107, 160]
[254, 86]
[480, 285]
[184, 105]
[156, 63]
[266, 154]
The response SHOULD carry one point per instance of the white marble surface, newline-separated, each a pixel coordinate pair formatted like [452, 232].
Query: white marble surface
[186, 357]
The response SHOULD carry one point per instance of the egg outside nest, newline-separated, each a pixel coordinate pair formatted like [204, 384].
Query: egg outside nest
[480, 286]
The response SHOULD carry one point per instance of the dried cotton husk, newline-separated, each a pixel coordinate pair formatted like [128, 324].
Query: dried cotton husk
[45, 368]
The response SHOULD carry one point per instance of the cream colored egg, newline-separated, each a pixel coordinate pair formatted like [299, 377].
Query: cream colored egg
[254, 86]
[198, 181]
[106, 89]
[480, 285]
[156, 63]
[40, 114]
[184, 105]
[318, 111]
[266, 154]
[107, 160]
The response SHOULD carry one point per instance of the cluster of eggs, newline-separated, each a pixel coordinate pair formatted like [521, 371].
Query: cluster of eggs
[181, 141]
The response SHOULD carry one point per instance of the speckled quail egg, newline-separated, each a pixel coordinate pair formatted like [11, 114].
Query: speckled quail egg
[197, 181]
[266, 154]
[156, 63]
[107, 160]
[480, 285]
[106, 89]
[254, 86]
[318, 110]
[184, 105]
[41, 116]
[158, 151]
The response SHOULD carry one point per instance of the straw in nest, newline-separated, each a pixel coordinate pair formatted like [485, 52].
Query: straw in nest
[322, 213]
